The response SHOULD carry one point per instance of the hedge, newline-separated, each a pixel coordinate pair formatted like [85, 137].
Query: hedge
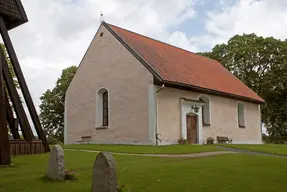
[275, 139]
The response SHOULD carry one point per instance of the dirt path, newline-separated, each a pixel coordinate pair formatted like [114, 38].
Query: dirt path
[250, 152]
[202, 154]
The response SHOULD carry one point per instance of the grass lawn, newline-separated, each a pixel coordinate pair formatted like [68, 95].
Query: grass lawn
[171, 149]
[224, 173]
[278, 149]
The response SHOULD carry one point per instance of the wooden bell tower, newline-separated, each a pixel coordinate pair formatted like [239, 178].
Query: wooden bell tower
[12, 14]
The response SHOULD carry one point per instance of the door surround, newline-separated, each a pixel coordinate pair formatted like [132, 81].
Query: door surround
[186, 108]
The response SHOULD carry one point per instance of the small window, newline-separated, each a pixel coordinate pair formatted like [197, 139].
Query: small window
[105, 109]
[241, 115]
[102, 108]
[205, 110]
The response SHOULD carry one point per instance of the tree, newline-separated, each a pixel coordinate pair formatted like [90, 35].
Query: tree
[10, 66]
[52, 105]
[261, 64]
[275, 112]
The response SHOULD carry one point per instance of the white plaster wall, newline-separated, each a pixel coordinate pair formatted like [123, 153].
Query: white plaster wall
[224, 120]
[109, 64]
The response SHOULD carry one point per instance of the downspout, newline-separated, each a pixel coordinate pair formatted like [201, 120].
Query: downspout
[156, 133]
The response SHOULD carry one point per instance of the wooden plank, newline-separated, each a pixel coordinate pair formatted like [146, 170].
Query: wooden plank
[21, 147]
[17, 104]
[13, 123]
[5, 158]
[23, 85]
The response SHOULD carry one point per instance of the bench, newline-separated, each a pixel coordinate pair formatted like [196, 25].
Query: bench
[223, 139]
[85, 139]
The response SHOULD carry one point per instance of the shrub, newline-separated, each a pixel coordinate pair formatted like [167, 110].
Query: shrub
[275, 139]
[182, 141]
[52, 140]
[120, 188]
[209, 140]
[71, 174]
[264, 138]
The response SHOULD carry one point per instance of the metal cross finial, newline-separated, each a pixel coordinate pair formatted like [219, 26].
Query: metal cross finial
[102, 17]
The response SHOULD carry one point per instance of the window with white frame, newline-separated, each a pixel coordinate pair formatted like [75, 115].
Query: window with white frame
[205, 110]
[241, 115]
[102, 108]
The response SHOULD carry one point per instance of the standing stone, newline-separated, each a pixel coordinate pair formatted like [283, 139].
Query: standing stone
[56, 165]
[104, 174]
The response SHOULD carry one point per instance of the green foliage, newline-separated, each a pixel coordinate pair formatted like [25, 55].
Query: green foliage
[261, 63]
[52, 140]
[209, 140]
[10, 66]
[120, 188]
[264, 137]
[22, 136]
[4, 50]
[276, 139]
[181, 141]
[52, 105]
[71, 174]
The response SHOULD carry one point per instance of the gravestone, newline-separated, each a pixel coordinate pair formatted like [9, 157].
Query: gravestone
[56, 164]
[104, 173]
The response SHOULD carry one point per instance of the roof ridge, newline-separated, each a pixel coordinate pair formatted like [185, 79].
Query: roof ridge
[161, 42]
[188, 61]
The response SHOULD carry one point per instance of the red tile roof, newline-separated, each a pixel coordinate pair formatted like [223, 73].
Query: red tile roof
[176, 65]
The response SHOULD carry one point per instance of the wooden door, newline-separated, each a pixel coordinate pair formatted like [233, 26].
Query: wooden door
[191, 128]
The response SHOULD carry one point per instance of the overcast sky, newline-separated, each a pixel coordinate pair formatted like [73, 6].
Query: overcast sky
[59, 31]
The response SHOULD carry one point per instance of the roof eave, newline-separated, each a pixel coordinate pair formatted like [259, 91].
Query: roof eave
[210, 91]
[22, 11]
[24, 18]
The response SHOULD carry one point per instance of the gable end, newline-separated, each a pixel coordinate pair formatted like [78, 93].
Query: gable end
[156, 75]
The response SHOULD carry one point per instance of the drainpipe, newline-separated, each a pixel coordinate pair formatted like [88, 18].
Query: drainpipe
[160, 88]
[156, 133]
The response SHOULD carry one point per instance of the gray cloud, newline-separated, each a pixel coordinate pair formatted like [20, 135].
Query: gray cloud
[264, 17]
[59, 31]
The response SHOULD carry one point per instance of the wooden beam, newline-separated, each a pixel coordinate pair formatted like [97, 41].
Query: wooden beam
[17, 104]
[23, 85]
[5, 158]
[16, 125]
[13, 123]
[9, 114]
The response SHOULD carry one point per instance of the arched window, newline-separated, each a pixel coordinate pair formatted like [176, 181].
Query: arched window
[241, 115]
[205, 110]
[102, 108]
[105, 109]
